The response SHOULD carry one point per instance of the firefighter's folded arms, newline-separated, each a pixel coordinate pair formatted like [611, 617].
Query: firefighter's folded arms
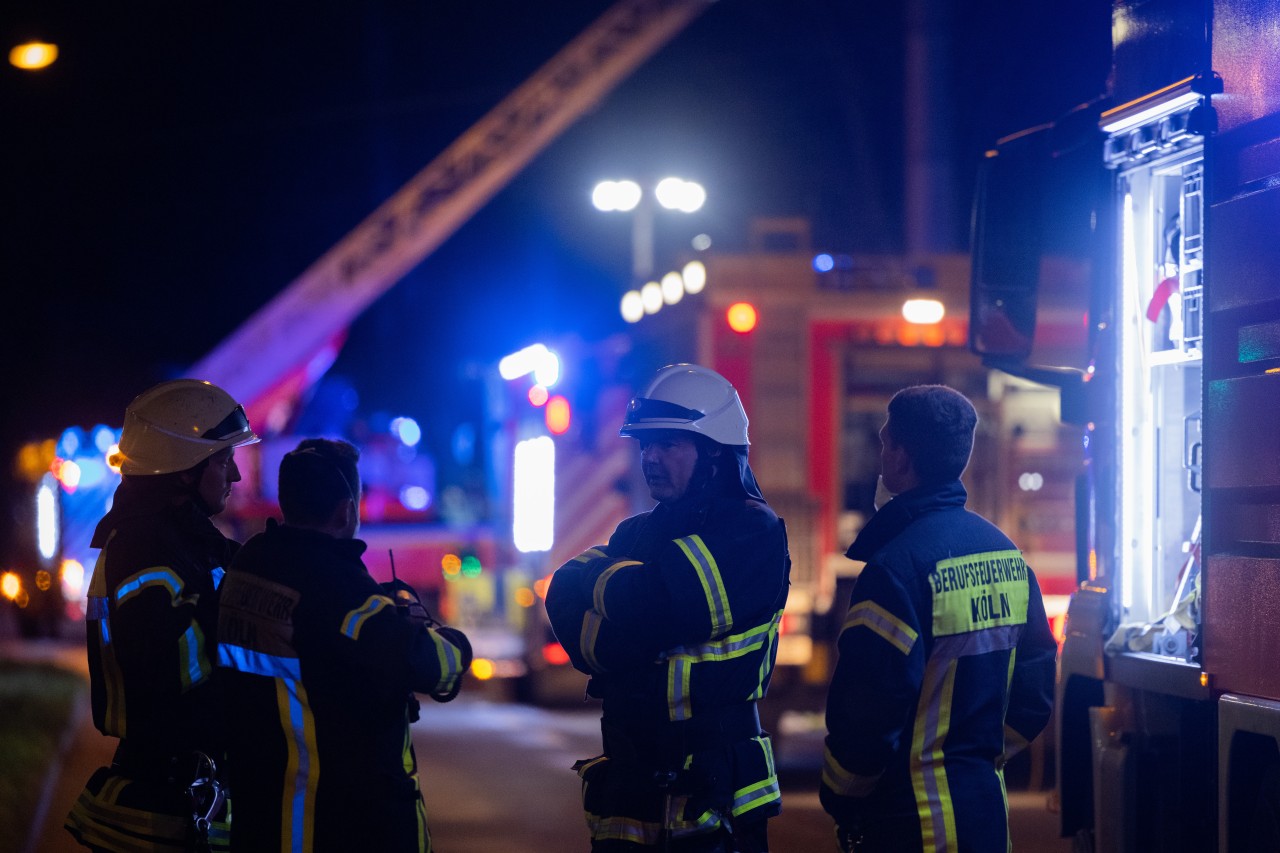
[676, 621]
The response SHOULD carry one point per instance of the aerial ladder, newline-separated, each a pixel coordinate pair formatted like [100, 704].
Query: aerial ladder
[271, 360]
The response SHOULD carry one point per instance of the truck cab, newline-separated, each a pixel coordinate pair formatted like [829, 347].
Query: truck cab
[1150, 215]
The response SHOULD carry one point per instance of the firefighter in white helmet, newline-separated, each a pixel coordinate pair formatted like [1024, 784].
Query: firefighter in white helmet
[676, 621]
[151, 624]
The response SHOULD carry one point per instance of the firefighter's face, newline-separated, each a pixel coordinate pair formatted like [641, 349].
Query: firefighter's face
[215, 481]
[895, 465]
[668, 460]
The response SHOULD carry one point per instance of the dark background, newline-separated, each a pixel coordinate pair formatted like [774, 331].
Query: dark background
[182, 163]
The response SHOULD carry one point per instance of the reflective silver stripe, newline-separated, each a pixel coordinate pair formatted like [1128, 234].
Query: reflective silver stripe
[246, 660]
[732, 646]
[763, 792]
[95, 608]
[298, 826]
[712, 584]
[192, 660]
[591, 622]
[597, 591]
[450, 661]
[150, 577]
[870, 615]
[354, 621]
[679, 702]
[844, 782]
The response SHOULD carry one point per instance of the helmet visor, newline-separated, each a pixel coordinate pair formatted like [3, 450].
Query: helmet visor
[644, 409]
[234, 424]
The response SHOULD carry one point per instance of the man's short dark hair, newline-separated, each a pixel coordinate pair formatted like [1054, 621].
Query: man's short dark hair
[934, 424]
[315, 478]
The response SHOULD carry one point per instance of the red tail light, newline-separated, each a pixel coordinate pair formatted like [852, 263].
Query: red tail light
[554, 653]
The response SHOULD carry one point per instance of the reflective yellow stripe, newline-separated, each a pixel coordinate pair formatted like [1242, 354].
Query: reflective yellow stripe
[928, 772]
[114, 718]
[617, 828]
[868, 614]
[591, 622]
[733, 646]
[844, 782]
[193, 664]
[766, 660]
[761, 793]
[302, 768]
[979, 591]
[712, 584]
[597, 592]
[157, 576]
[354, 620]
[680, 663]
[450, 658]
[649, 832]
[588, 555]
[679, 702]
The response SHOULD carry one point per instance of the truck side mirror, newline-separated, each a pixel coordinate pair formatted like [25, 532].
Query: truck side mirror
[1040, 226]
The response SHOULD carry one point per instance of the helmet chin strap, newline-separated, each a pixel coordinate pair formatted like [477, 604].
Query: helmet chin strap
[704, 471]
[191, 482]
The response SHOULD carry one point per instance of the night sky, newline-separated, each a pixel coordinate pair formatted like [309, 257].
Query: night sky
[183, 162]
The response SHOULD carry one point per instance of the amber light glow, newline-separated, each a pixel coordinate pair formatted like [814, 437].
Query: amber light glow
[558, 415]
[741, 317]
[33, 55]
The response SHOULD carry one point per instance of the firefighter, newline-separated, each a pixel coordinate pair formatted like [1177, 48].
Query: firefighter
[151, 618]
[676, 621]
[946, 663]
[318, 664]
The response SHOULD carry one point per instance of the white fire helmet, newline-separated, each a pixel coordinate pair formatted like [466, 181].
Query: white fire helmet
[178, 424]
[689, 398]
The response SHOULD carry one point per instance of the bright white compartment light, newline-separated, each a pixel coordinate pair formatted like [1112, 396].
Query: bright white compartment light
[534, 502]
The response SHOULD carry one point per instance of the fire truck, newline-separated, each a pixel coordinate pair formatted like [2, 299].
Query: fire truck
[1150, 216]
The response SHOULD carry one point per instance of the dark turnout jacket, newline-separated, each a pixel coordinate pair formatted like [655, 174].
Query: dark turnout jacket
[317, 668]
[152, 623]
[946, 667]
[676, 621]
[151, 619]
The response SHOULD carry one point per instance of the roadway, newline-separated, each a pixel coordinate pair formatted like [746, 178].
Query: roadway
[496, 779]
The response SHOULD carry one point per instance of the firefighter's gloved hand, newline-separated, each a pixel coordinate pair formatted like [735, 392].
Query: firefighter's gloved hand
[408, 604]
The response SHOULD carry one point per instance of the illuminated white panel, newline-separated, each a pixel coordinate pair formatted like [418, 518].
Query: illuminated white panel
[533, 509]
[1136, 490]
[923, 311]
[47, 516]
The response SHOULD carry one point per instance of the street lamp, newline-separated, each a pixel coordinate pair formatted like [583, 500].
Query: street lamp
[626, 196]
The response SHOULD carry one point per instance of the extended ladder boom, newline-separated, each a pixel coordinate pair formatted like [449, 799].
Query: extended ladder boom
[287, 344]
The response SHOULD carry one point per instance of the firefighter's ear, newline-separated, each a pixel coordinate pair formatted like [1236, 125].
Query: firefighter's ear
[344, 520]
[897, 470]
